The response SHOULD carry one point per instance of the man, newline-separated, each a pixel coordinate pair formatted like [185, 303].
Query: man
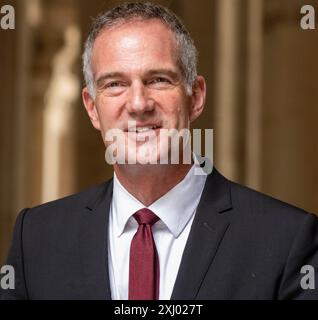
[157, 231]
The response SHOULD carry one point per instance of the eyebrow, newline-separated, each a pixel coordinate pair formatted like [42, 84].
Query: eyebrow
[108, 75]
[169, 72]
[164, 71]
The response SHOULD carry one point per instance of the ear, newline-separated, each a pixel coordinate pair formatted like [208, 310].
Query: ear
[90, 107]
[198, 98]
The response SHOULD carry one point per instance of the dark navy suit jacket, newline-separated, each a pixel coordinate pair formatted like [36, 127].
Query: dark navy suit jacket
[242, 245]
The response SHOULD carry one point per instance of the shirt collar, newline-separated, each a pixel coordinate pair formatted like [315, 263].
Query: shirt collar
[174, 208]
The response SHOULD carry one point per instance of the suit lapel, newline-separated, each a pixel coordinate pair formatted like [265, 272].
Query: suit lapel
[208, 229]
[93, 244]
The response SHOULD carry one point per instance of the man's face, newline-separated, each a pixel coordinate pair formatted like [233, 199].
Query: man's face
[137, 79]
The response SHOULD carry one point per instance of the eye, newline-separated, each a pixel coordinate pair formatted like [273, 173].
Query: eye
[113, 88]
[159, 80]
[114, 84]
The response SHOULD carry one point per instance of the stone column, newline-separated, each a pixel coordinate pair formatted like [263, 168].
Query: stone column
[229, 93]
[253, 129]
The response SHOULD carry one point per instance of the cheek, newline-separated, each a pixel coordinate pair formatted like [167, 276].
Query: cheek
[180, 110]
[175, 113]
[175, 105]
[107, 113]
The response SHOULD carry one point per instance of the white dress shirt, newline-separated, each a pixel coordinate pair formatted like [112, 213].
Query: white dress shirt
[176, 210]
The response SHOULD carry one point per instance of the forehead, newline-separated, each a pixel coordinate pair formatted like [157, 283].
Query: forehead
[135, 43]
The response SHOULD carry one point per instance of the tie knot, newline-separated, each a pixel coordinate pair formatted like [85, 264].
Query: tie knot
[145, 216]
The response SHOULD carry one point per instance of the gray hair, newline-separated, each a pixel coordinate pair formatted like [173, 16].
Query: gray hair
[127, 12]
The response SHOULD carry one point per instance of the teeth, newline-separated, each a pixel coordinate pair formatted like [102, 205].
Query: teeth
[143, 129]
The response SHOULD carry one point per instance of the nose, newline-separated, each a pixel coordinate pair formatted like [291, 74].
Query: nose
[139, 102]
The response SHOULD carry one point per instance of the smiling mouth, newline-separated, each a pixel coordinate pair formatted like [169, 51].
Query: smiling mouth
[143, 129]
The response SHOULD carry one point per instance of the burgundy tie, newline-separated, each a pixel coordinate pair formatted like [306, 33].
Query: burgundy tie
[144, 262]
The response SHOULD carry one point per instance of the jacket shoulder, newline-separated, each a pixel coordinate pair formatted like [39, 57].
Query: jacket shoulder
[246, 197]
[268, 212]
[71, 204]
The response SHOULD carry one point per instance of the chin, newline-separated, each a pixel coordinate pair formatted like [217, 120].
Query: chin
[147, 155]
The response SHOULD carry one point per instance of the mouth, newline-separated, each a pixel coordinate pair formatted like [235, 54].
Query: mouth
[143, 128]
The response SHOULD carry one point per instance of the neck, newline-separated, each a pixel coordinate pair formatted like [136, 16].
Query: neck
[148, 183]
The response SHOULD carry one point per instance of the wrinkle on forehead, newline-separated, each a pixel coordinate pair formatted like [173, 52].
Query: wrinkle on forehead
[134, 44]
